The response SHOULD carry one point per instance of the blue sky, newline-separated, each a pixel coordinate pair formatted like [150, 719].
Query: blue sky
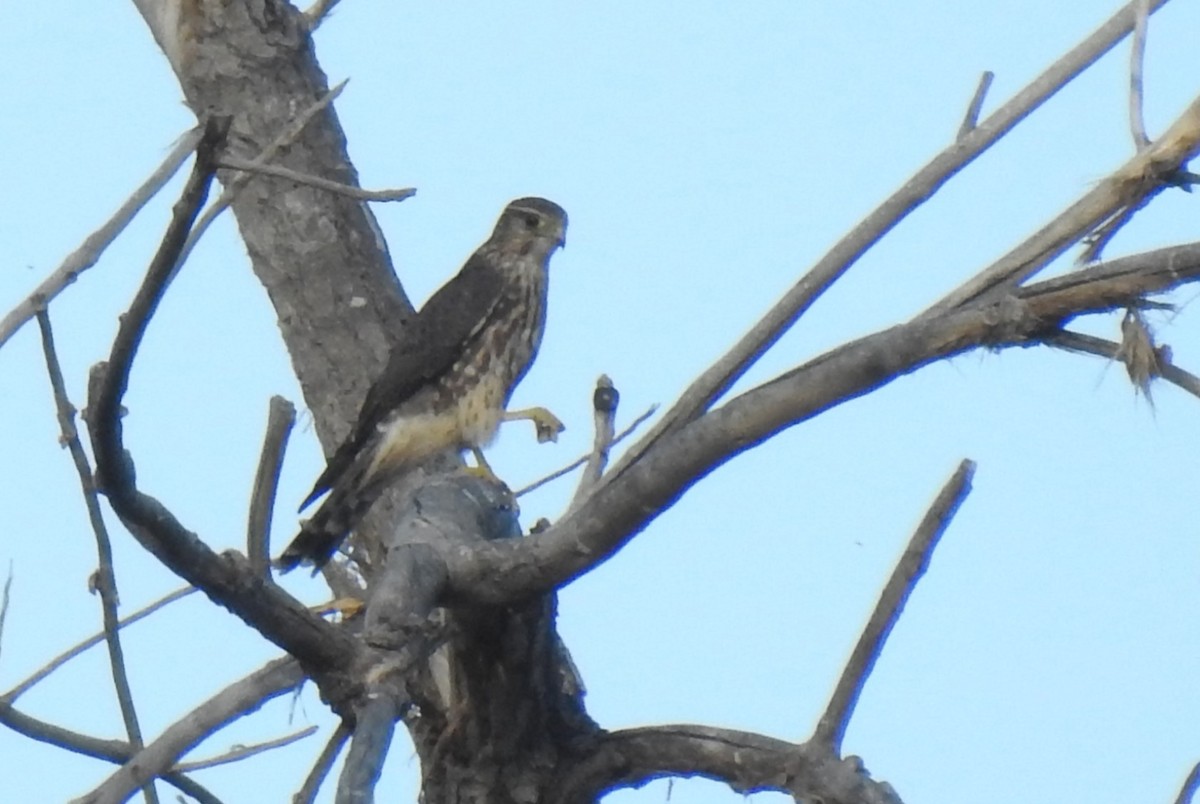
[707, 155]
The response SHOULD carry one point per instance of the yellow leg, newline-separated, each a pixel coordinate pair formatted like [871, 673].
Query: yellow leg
[482, 468]
[346, 606]
[548, 425]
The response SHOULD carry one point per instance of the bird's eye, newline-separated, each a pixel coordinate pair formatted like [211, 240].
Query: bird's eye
[531, 222]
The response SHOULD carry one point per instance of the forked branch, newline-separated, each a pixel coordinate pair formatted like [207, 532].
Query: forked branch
[718, 378]
[496, 572]
[747, 762]
[104, 579]
[235, 701]
[227, 579]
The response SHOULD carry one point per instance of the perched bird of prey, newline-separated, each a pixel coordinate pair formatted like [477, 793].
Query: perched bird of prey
[448, 384]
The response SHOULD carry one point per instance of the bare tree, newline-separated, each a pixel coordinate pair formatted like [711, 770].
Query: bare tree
[457, 641]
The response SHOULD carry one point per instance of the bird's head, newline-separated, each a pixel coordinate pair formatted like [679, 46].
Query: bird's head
[532, 226]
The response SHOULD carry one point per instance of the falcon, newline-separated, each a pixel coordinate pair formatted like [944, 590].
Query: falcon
[447, 386]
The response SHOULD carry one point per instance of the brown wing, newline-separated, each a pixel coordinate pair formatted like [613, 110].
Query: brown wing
[435, 338]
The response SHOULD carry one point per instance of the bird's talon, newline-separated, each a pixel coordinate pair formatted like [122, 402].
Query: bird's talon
[548, 425]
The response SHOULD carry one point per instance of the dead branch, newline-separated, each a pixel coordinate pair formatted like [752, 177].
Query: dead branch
[1128, 188]
[1091, 345]
[241, 752]
[1191, 784]
[237, 700]
[376, 723]
[117, 751]
[88, 254]
[104, 579]
[329, 754]
[747, 762]
[912, 565]
[582, 459]
[69, 654]
[281, 415]
[280, 172]
[604, 410]
[227, 579]
[4, 600]
[234, 186]
[503, 571]
[971, 118]
[315, 14]
[1137, 58]
[719, 377]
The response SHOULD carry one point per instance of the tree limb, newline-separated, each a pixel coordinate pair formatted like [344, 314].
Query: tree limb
[315, 14]
[281, 415]
[971, 118]
[912, 565]
[329, 754]
[237, 700]
[503, 571]
[376, 723]
[235, 185]
[104, 580]
[1191, 784]
[280, 172]
[4, 601]
[227, 579]
[69, 654]
[320, 256]
[1127, 189]
[1089, 344]
[117, 751]
[88, 254]
[604, 410]
[747, 762]
[1137, 58]
[718, 378]
[243, 752]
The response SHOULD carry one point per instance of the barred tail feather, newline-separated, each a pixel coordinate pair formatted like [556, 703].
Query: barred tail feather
[337, 515]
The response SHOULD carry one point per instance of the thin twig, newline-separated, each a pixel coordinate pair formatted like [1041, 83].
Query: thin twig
[1191, 784]
[280, 172]
[1137, 58]
[104, 579]
[1098, 239]
[909, 569]
[719, 377]
[90, 642]
[604, 410]
[4, 598]
[235, 186]
[281, 415]
[1124, 191]
[329, 754]
[115, 751]
[582, 459]
[241, 752]
[237, 700]
[317, 12]
[971, 119]
[88, 253]
[1089, 344]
